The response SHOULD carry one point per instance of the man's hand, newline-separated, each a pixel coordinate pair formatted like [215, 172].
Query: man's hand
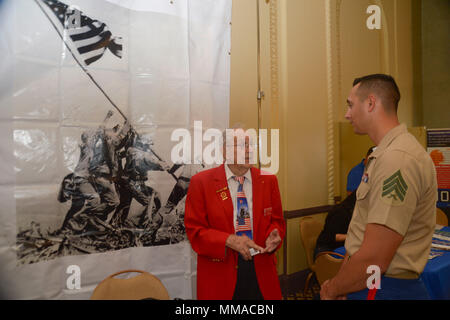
[242, 244]
[326, 292]
[165, 166]
[272, 241]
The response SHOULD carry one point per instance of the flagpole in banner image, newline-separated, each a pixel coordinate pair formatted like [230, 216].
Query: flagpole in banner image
[90, 37]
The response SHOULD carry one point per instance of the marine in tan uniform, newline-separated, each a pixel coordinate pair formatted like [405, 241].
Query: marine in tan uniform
[394, 215]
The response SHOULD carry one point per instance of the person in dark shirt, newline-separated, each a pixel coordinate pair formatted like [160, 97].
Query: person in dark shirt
[336, 226]
[356, 173]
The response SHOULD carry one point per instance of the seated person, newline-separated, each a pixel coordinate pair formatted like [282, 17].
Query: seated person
[355, 175]
[336, 226]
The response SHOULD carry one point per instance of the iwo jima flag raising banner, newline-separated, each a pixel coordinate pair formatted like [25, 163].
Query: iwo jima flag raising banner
[87, 180]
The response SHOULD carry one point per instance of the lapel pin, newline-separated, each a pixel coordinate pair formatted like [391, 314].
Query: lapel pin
[223, 193]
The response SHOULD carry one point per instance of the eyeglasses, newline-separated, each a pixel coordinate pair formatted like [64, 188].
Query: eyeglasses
[243, 145]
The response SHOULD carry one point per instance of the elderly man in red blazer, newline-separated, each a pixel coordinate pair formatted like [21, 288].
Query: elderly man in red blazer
[234, 221]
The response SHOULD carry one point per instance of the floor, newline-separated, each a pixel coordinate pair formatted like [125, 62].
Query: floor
[311, 294]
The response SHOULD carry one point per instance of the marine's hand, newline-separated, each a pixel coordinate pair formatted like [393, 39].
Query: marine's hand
[326, 292]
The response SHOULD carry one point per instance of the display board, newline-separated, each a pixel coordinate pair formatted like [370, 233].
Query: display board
[438, 141]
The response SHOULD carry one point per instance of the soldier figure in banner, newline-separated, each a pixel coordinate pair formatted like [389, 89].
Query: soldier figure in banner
[170, 222]
[103, 168]
[91, 186]
[77, 187]
[139, 160]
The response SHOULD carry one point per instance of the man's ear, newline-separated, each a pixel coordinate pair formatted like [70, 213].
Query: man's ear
[372, 101]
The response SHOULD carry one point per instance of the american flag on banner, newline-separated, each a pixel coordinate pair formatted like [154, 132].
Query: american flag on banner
[90, 37]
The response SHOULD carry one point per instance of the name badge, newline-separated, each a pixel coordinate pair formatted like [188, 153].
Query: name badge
[267, 211]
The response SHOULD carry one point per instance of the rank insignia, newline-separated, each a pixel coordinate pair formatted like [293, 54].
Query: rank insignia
[394, 189]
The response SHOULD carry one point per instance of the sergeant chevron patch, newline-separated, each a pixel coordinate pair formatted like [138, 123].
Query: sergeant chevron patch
[394, 189]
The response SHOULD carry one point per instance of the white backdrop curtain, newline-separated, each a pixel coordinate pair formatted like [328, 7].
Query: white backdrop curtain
[174, 70]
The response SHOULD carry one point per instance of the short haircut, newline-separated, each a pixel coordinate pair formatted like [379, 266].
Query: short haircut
[383, 86]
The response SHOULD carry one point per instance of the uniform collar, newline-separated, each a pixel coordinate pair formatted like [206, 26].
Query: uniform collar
[389, 137]
[229, 174]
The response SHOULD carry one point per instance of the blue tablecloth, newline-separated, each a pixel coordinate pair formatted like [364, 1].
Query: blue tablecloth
[436, 274]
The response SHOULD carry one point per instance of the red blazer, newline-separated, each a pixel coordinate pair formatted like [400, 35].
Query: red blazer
[209, 221]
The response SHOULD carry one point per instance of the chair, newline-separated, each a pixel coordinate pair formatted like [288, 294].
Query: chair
[142, 286]
[325, 266]
[441, 218]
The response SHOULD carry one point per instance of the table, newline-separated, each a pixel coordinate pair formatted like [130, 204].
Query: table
[436, 275]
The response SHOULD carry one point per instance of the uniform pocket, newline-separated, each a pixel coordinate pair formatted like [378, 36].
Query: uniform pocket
[362, 191]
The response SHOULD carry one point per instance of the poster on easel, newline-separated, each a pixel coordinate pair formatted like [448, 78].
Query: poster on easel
[438, 147]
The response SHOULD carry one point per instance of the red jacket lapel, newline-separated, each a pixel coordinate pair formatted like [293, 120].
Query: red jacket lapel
[258, 195]
[222, 193]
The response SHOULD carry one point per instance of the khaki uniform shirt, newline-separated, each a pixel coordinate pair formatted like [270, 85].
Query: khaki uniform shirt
[398, 190]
